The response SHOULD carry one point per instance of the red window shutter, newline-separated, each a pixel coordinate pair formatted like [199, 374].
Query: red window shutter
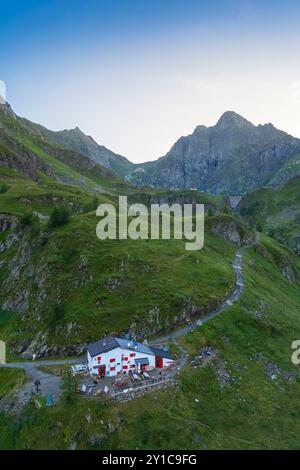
[132, 354]
[125, 367]
[126, 358]
[112, 368]
[99, 358]
[112, 360]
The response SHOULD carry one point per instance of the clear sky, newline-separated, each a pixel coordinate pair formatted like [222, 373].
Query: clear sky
[138, 74]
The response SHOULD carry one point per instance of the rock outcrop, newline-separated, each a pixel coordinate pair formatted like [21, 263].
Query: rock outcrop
[232, 230]
[287, 271]
[7, 221]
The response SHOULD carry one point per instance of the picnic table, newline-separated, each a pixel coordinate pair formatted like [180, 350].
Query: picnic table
[136, 376]
[78, 369]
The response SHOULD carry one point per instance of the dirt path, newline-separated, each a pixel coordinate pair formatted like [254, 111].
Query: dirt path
[50, 383]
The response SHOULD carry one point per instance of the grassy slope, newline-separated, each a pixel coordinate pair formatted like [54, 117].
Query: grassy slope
[26, 195]
[10, 379]
[119, 164]
[70, 266]
[252, 412]
[77, 173]
[277, 211]
[72, 171]
[76, 269]
[288, 171]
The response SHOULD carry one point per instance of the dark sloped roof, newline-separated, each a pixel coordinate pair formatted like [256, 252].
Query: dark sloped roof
[162, 353]
[133, 346]
[110, 342]
[102, 346]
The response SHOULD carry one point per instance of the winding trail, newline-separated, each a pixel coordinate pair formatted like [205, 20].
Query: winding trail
[239, 285]
[50, 383]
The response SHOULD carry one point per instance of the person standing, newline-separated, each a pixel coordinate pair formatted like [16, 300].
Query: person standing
[37, 384]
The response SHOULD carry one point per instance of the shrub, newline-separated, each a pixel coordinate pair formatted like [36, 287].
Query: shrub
[3, 188]
[44, 238]
[59, 216]
[69, 386]
[27, 218]
[35, 227]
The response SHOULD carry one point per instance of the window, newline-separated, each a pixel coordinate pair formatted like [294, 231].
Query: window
[99, 359]
[112, 360]
[125, 358]
[132, 354]
[132, 366]
[125, 367]
[112, 368]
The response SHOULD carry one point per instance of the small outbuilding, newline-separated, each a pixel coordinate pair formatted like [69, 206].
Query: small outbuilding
[111, 356]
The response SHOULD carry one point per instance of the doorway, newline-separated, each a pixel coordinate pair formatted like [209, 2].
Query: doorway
[159, 362]
[101, 371]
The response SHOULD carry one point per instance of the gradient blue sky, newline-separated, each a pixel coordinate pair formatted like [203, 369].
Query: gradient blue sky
[138, 74]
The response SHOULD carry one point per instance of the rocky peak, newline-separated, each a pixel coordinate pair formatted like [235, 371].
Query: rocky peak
[234, 157]
[5, 107]
[200, 129]
[77, 130]
[231, 119]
